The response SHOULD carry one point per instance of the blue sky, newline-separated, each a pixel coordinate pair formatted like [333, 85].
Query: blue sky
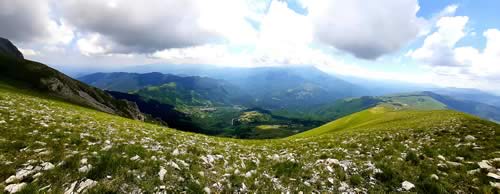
[446, 43]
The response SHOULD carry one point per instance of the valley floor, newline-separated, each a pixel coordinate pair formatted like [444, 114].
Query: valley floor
[51, 146]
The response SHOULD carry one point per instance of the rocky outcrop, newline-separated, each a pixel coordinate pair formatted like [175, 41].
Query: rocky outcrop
[44, 79]
[8, 49]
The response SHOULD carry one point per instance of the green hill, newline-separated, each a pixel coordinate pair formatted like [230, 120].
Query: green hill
[381, 117]
[407, 101]
[49, 146]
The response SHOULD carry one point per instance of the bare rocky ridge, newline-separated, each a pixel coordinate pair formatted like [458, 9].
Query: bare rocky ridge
[21, 72]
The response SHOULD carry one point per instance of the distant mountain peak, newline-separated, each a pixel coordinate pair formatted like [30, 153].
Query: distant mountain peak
[9, 49]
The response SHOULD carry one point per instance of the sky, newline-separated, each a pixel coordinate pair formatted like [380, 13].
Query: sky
[449, 43]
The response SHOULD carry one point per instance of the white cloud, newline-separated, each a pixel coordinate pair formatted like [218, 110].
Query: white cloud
[29, 21]
[92, 44]
[231, 22]
[29, 52]
[136, 26]
[60, 33]
[464, 66]
[437, 49]
[283, 27]
[366, 29]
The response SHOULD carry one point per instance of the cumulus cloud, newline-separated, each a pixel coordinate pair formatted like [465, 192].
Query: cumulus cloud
[93, 44]
[28, 21]
[437, 49]
[463, 66]
[367, 29]
[145, 27]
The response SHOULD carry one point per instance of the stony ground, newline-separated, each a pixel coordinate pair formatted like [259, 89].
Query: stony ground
[51, 147]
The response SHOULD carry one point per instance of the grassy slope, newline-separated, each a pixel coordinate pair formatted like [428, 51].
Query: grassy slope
[35, 129]
[383, 116]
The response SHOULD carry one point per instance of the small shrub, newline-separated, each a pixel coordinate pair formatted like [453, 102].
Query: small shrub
[356, 179]
[430, 186]
[412, 158]
[107, 164]
[287, 169]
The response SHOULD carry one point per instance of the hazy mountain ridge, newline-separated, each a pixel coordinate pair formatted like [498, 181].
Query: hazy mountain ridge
[188, 88]
[270, 87]
[470, 95]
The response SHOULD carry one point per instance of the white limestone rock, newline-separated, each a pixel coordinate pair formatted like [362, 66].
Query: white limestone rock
[14, 188]
[407, 185]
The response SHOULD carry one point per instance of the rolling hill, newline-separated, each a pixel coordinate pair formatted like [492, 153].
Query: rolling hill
[51, 146]
[407, 101]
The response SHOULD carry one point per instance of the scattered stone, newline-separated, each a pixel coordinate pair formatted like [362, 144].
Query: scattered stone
[135, 158]
[87, 184]
[496, 185]
[175, 152]
[85, 168]
[14, 188]
[407, 185]
[174, 165]
[45, 188]
[71, 188]
[332, 161]
[470, 138]
[330, 169]
[454, 164]
[493, 175]
[207, 190]
[434, 177]
[485, 164]
[343, 186]
[47, 166]
[37, 175]
[106, 147]
[162, 173]
[441, 157]
[44, 124]
[475, 171]
[83, 161]
[11, 179]
[24, 173]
